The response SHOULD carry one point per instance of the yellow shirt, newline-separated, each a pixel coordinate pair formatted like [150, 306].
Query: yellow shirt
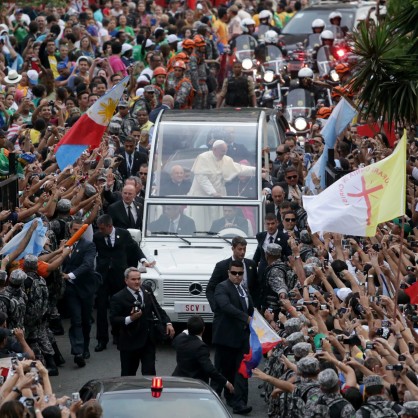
[221, 30]
[53, 65]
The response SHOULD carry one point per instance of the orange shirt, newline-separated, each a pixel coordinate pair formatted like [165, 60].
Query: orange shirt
[221, 30]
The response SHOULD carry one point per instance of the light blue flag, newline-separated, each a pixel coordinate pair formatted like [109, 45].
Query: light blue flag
[35, 245]
[340, 117]
[309, 184]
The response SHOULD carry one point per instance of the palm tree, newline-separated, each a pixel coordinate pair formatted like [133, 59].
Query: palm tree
[387, 73]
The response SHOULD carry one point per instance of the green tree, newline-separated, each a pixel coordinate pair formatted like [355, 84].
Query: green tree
[386, 74]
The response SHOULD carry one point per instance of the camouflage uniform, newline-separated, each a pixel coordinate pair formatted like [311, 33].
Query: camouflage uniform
[36, 329]
[13, 300]
[377, 407]
[306, 392]
[321, 408]
[184, 92]
[198, 76]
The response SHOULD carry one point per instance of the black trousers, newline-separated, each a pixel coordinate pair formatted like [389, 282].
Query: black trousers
[80, 310]
[227, 361]
[130, 359]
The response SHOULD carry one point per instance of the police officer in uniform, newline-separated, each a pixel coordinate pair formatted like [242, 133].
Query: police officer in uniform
[237, 90]
[198, 73]
[13, 299]
[183, 96]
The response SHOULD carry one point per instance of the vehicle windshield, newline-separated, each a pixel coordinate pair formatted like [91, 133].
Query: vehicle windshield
[302, 21]
[169, 404]
[245, 46]
[299, 103]
[204, 220]
[184, 165]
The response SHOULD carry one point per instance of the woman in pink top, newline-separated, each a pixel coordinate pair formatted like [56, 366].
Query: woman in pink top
[115, 61]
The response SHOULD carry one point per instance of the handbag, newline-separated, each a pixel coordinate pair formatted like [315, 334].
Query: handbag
[157, 329]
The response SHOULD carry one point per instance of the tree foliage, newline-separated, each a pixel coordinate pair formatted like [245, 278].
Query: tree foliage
[387, 74]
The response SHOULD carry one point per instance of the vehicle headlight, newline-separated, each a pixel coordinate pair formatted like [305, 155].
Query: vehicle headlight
[300, 124]
[334, 75]
[247, 64]
[150, 284]
[268, 76]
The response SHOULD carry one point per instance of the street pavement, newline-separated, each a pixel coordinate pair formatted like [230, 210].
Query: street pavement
[106, 364]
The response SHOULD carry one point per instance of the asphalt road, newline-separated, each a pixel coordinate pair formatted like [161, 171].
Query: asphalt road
[106, 364]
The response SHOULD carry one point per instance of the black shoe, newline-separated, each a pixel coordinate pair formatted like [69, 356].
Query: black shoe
[79, 360]
[86, 354]
[50, 365]
[100, 347]
[242, 409]
[58, 358]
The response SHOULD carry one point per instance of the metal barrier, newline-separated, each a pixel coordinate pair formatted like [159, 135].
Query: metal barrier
[9, 189]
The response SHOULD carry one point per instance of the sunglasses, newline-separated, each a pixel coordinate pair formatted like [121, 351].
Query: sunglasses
[292, 177]
[279, 153]
[290, 219]
[236, 273]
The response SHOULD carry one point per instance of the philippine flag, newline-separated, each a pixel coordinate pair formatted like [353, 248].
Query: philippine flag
[262, 339]
[89, 129]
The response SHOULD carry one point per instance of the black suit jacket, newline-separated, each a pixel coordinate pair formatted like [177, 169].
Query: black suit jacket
[136, 334]
[240, 222]
[271, 208]
[193, 359]
[185, 226]
[81, 264]
[111, 262]
[169, 188]
[260, 256]
[119, 215]
[285, 187]
[138, 159]
[230, 324]
[220, 274]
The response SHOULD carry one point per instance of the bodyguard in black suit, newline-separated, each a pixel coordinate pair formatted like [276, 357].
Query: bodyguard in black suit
[173, 221]
[271, 235]
[231, 333]
[132, 159]
[116, 251]
[193, 355]
[126, 213]
[220, 273]
[132, 310]
[81, 286]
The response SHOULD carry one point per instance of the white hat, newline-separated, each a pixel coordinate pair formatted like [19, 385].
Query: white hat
[142, 78]
[139, 92]
[84, 57]
[4, 28]
[13, 77]
[172, 38]
[33, 76]
[218, 142]
[126, 48]
[149, 43]
[199, 6]
[343, 293]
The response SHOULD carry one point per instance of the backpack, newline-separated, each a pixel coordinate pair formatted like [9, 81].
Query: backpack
[327, 409]
[37, 304]
[303, 394]
[14, 310]
[379, 410]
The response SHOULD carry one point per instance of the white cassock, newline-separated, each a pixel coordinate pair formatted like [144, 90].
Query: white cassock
[209, 179]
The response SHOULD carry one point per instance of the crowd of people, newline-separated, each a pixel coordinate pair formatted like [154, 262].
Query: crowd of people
[345, 307]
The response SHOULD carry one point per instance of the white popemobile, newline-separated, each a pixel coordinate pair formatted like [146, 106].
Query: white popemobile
[204, 188]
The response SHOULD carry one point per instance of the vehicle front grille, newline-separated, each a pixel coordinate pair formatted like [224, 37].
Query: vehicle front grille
[177, 290]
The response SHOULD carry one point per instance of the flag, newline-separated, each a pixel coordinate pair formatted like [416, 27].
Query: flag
[359, 201]
[88, 131]
[340, 117]
[262, 340]
[412, 292]
[309, 184]
[35, 245]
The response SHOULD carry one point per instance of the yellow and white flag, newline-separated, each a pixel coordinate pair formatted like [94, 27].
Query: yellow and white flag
[359, 201]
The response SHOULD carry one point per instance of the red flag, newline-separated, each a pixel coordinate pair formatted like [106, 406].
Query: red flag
[412, 292]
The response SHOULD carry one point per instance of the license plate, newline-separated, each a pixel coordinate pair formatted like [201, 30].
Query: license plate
[192, 307]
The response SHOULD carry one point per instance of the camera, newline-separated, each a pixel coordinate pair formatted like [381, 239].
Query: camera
[323, 307]
[318, 350]
[375, 299]
[411, 348]
[310, 302]
[394, 367]
[380, 332]
[292, 294]
[385, 324]
[413, 244]
[342, 311]
[376, 247]
[401, 357]
[137, 306]
[299, 308]
[340, 337]
[370, 346]
[403, 286]
[410, 268]
[75, 397]
[51, 103]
